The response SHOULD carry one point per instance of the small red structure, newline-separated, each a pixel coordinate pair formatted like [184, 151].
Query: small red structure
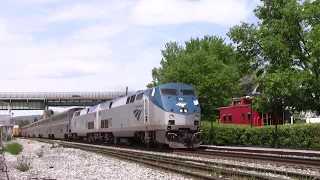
[240, 113]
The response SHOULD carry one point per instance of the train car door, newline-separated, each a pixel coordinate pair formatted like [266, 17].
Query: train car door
[147, 134]
[146, 111]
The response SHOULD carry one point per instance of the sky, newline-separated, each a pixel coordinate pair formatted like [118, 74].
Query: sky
[101, 45]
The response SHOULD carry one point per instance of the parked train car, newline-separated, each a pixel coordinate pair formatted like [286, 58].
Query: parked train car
[15, 131]
[165, 115]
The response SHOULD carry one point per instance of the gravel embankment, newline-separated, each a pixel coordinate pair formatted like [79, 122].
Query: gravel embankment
[67, 164]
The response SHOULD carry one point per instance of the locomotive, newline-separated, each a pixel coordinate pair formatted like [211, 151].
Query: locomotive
[166, 115]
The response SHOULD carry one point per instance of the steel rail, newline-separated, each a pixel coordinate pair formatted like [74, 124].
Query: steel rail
[257, 169]
[176, 164]
[307, 162]
[292, 152]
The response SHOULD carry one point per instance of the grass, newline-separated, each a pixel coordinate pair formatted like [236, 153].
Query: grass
[13, 148]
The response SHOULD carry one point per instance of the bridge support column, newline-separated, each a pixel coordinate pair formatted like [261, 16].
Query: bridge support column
[45, 112]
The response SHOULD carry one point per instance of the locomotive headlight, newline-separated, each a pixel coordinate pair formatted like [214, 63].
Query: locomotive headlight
[181, 110]
[185, 110]
[171, 116]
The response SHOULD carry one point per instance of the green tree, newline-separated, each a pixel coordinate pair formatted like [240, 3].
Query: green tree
[285, 44]
[22, 123]
[208, 64]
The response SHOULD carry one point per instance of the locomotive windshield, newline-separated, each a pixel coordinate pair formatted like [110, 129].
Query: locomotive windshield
[175, 92]
[169, 91]
[187, 92]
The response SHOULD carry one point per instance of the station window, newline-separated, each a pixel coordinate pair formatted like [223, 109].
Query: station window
[237, 102]
[243, 117]
[249, 117]
[230, 117]
[224, 118]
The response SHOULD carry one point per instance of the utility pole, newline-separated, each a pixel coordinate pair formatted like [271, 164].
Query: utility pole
[275, 121]
[251, 110]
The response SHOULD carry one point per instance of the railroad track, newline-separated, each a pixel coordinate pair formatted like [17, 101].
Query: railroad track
[198, 169]
[296, 161]
[264, 151]
[236, 156]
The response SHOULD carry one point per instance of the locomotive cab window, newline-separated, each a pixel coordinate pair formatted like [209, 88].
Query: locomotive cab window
[139, 97]
[169, 92]
[188, 92]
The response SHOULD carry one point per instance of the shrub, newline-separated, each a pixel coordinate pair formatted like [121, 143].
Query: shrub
[23, 164]
[297, 136]
[13, 148]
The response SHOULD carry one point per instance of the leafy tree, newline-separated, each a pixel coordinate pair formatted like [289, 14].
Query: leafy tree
[22, 123]
[208, 64]
[285, 44]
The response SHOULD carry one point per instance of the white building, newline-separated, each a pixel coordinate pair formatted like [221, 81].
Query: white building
[310, 116]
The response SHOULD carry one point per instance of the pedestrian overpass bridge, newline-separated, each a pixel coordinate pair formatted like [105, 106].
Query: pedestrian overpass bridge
[41, 100]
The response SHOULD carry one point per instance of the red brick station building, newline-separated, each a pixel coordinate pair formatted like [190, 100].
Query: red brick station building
[240, 113]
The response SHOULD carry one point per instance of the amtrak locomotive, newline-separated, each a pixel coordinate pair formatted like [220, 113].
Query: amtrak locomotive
[164, 115]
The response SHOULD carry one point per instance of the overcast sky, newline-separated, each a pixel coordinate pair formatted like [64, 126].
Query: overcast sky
[100, 45]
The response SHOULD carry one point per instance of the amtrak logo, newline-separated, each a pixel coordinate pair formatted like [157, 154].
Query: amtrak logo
[137, 113]
[181, 104]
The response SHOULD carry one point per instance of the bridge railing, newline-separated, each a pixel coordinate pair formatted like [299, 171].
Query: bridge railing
[60, 95]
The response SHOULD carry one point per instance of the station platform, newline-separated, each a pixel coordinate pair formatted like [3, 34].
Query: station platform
[280, 151]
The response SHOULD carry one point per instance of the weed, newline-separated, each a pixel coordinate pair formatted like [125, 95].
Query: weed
[39, 153]
[23, 164]
[13, 148]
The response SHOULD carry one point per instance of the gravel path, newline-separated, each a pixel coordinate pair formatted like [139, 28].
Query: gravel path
[68, 164]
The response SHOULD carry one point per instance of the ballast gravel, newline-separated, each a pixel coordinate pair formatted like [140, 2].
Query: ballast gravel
[68, 164]
[268, 166]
